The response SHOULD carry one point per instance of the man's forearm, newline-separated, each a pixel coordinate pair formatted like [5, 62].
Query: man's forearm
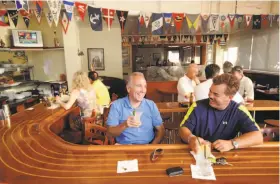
[117, 130]
[185, 133]
[249, 139]
[159, 135]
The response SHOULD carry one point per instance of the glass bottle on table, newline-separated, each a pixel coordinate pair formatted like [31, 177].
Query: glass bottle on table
[245, 96]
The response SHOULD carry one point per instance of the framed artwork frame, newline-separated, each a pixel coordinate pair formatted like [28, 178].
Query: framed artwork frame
[156, 56]
[96, 58]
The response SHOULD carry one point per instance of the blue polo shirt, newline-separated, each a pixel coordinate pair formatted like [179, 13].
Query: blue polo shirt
[150, 118]
[212, 124]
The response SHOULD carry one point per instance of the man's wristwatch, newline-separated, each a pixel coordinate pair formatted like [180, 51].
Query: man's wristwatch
[234, 143]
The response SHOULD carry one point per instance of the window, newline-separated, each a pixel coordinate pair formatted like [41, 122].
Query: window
[174, 56]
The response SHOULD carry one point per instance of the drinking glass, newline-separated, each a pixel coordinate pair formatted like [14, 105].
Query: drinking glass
[137, 118]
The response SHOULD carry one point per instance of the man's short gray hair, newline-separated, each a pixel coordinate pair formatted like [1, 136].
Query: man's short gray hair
[227, 67]
[134, 74]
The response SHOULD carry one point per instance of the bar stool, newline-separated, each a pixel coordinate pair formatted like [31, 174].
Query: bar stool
[272, 122]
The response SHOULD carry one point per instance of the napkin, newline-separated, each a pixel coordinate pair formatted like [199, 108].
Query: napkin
[196, 174]
[127, 166]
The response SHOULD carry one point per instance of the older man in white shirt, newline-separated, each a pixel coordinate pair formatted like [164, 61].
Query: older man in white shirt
[187, 83]
[246, 84]
[201, 91]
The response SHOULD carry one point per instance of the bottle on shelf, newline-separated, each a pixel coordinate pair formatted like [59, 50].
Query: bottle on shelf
[56, 42]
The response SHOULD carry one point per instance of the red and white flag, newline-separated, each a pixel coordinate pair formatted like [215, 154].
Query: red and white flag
[108, 16]
[81, 8]
[64, 21]
[178, 19]
[248, 19]
[231, 18]
[147, 17]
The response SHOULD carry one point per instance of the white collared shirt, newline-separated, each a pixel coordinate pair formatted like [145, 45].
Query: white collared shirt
[185, 85]
[201, 92]
[246, 84]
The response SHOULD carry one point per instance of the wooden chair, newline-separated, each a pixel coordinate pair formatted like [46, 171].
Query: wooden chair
[95, 134]
[270, 133]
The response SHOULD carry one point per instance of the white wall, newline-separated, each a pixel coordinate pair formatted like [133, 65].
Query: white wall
[109, 40]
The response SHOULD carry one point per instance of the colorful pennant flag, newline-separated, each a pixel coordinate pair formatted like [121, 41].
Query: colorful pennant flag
[248, 19]
[178, 19]
[81, 8]
[26, 17]
[141, 19]
[240, 19]
[49, 17]
[95, 19]
[64, 20]
[214, 23]
[4, 19]
[204, 22]
[147, 17]
[108, 16]
[211, 38]
[231, 18]
[198, 38]
[167, 19]
[204, 38]
[22, 5]
[257, 22]
[55, 7]
[157, 24]
[14, 16]
[223, 21]
[69, 7]
[122, 16]
[264, 21]
[225, 37]
[39, 5]
[38, 15]
[192, 20]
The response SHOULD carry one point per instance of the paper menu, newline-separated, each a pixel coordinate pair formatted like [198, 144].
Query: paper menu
[127, 166]
[196, 173]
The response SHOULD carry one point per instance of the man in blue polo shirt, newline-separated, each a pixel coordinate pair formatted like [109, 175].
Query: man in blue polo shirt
[122, 122]
[218, 119]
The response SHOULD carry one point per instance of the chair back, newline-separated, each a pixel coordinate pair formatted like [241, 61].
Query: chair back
[96, 134]
[270, 133]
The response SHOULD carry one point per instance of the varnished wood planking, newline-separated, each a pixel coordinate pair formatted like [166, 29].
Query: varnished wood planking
[31, 154]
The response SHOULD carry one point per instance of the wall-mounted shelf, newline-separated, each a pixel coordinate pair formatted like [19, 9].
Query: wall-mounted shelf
[30, 48]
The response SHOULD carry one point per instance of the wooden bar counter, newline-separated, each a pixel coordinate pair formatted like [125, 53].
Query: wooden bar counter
[31, 152]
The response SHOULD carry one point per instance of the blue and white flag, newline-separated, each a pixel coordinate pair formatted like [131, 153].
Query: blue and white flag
[167, 19]
[157, 24]
[22, 5]
[95, 18]
[69, 7]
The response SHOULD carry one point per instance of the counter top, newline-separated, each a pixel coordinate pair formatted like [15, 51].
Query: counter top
[30, 152]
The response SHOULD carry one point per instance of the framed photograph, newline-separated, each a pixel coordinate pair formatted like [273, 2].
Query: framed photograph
[96, 58]
[156, 56]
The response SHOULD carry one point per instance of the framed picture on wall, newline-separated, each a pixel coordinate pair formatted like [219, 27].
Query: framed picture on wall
[156, 56]
[96, 58]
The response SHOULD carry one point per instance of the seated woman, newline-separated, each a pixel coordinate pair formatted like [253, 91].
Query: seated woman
[102, 93]
[84, 94]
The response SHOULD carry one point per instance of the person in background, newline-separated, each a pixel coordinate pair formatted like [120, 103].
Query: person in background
[84, 94]
[227, 67]
[218, 120]
[187, 83]
[102, 93]
[201, 91]
[122, 122]
[246, 85]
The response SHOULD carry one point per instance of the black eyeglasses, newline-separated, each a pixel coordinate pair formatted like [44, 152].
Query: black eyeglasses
[156, 154]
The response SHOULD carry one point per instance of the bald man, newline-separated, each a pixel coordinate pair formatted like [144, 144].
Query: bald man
[187, 83]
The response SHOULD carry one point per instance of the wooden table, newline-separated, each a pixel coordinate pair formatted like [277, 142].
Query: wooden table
[169, 91]
[32, 154]
[257, 105]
